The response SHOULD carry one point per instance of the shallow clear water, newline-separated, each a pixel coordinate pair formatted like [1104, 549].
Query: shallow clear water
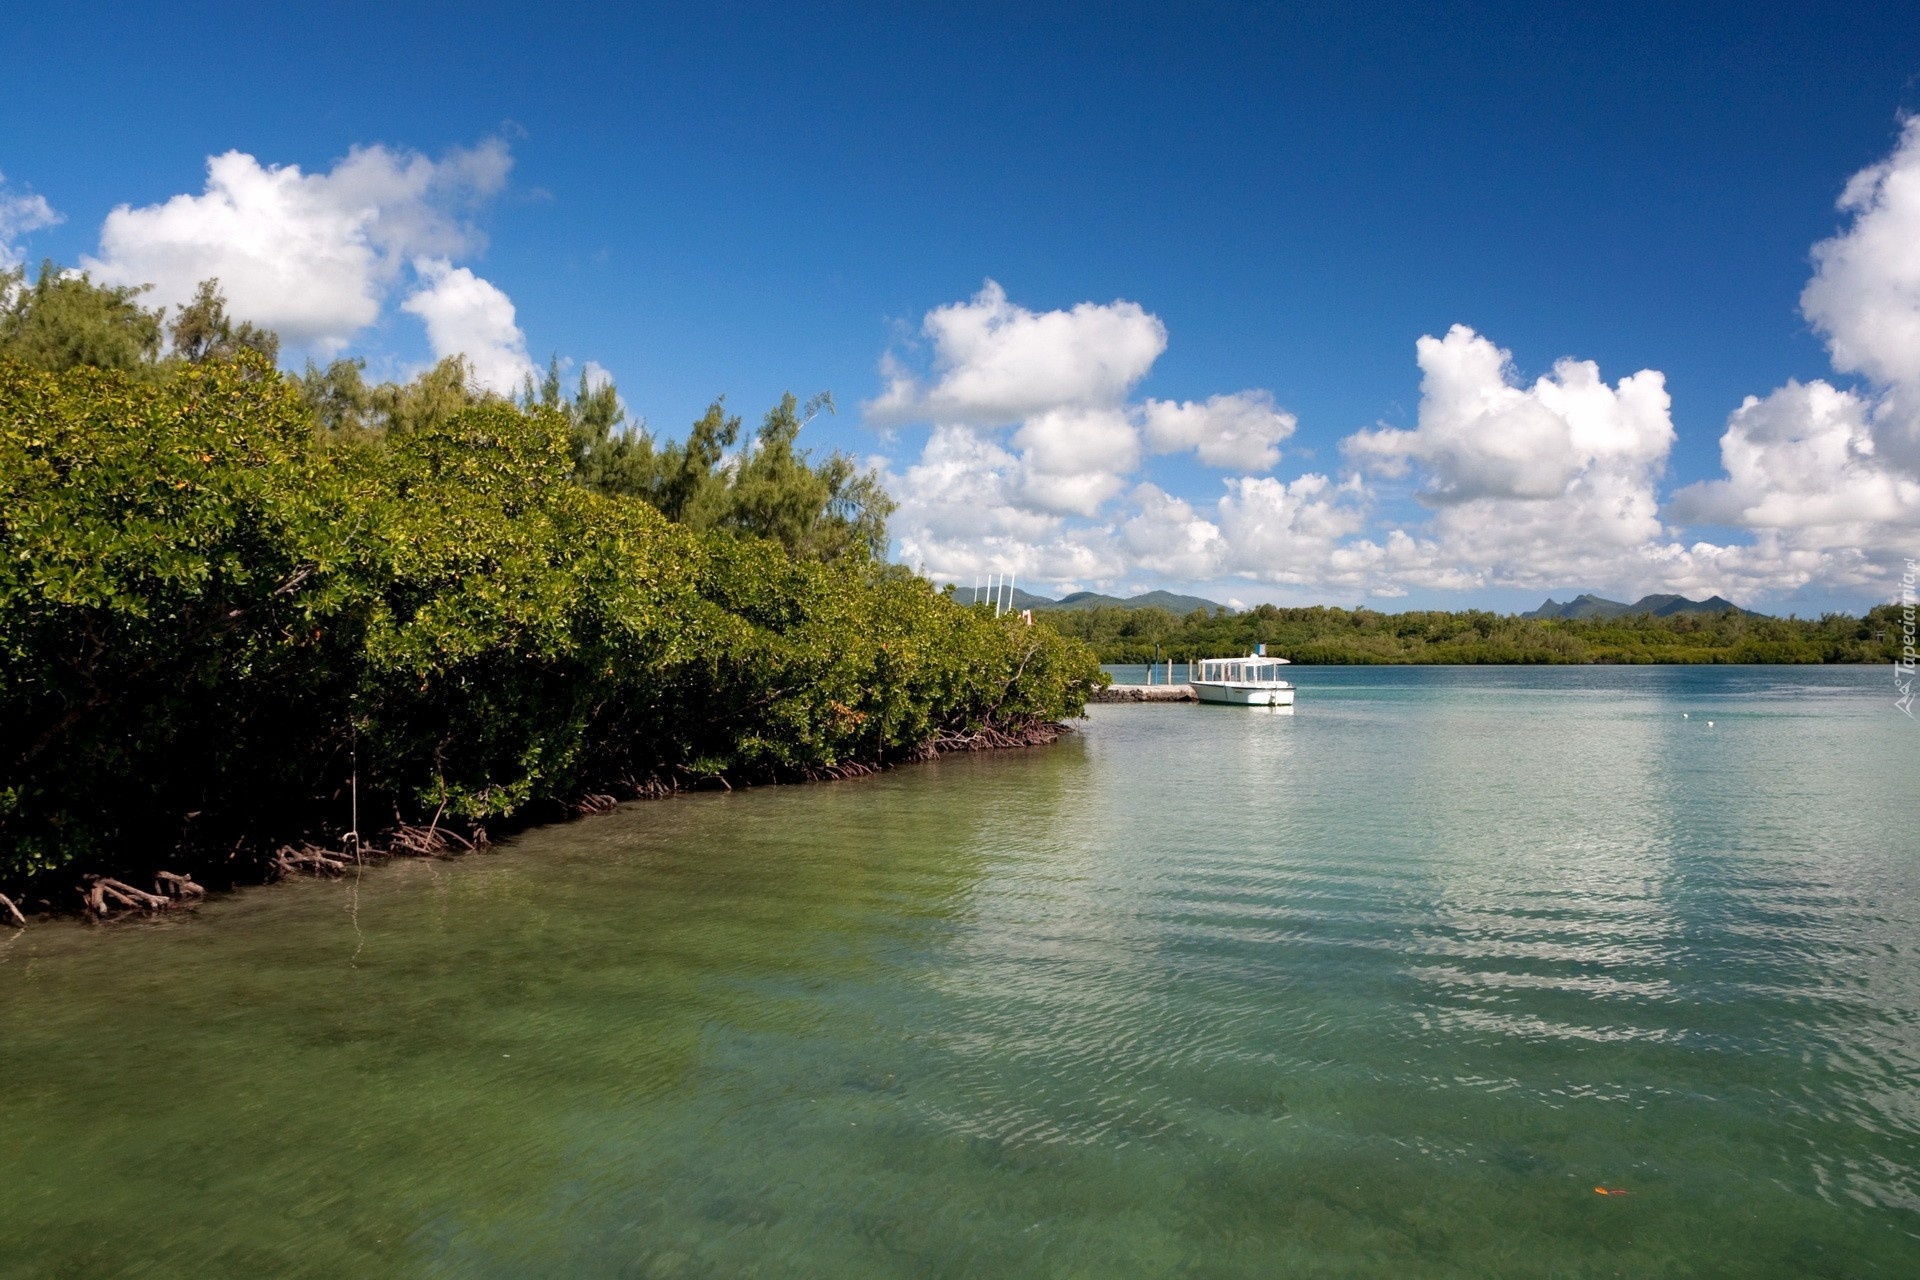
[1383, 988]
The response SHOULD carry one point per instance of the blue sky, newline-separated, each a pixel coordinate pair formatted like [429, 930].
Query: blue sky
[753, 199]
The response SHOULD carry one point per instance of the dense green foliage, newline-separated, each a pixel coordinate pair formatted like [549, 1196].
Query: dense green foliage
[63, 321]
[766, 487]
[1324, 635]
[214, 611]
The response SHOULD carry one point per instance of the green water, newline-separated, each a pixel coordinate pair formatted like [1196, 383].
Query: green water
[1383, 988]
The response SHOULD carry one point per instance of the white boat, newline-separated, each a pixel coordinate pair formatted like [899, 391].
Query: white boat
[1252, 681]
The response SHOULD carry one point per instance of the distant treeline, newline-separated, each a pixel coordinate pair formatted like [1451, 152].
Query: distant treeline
[1330, 635]
[237, 606]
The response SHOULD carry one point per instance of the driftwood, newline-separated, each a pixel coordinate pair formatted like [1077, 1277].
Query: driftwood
[11, 913]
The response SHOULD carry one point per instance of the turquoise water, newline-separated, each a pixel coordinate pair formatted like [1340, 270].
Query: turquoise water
[1383, 988]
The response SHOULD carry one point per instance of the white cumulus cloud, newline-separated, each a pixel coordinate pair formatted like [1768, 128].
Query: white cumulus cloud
[1827, 478]
[1538, 485]
[1554, 482]
[1240, 432]
[1074, 460]
[1865, 291]
[996, 363]
[966, 510]
[1166, 537]
[1801, 458]
[467, 316]
[20, 214]
[1481, 436]
[1803, 471]
[1534, 485]
[1035, 438]
[1288, 531]
[310, 255]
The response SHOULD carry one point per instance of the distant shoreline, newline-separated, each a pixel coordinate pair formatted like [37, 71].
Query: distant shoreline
[1180, 664]
[1321, 636]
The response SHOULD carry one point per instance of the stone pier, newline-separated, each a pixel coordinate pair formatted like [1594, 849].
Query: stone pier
[1144, 693]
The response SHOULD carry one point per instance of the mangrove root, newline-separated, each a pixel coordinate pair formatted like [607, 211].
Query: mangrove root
[103, 896]
[420, 842]
[308, 857]
[403, 840]
[593, 803]
[838, 772]
[988, 738]
[104, 893]
[178, 887]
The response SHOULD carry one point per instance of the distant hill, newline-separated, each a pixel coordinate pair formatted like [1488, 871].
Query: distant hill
[1586, 605]
[1177, 605]
[1021, 599]
[1660, 606]
[1172, 603]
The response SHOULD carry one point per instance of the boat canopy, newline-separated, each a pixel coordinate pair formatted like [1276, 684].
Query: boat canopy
[1252, 669]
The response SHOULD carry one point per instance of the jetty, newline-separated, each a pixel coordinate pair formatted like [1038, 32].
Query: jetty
[1144, 693]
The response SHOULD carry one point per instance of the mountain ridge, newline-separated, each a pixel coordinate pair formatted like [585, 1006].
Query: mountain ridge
[1585, 605]
[1589, 605]
[1172, 602]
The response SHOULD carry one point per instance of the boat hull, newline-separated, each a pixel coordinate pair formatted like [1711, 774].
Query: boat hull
[1243, 695]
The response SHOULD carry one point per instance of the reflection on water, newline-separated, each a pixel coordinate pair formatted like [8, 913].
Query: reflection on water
[1384, 988]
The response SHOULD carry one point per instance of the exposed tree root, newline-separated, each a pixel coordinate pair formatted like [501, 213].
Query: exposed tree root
[104, 897]
[178, 887]
[288, 860]
[592, 803]
[988, 738]
[839, 772]
[403, 840]
[103, 894]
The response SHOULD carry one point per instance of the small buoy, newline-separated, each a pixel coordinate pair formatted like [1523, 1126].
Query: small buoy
[1685, 716]
[1611, 1191]
[1709, 724]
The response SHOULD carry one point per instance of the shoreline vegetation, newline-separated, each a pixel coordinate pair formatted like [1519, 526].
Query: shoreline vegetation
[254, 624]
[1332, 636]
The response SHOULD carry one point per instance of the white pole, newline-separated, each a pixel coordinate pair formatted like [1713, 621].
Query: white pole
[1011, 579]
